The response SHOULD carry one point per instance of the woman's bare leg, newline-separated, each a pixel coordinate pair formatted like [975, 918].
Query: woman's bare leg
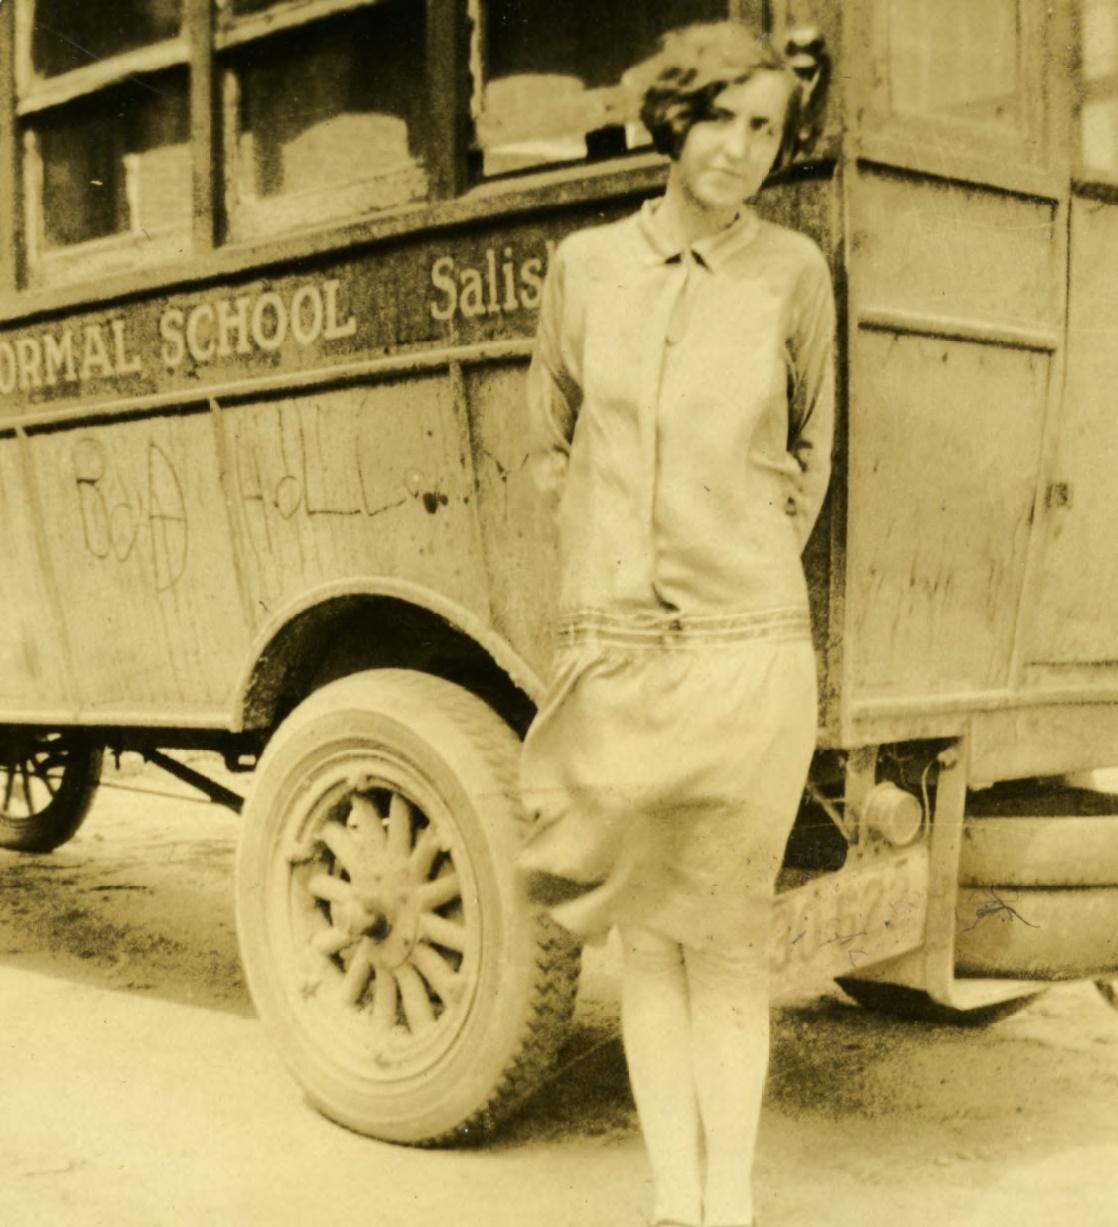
[656, 1026]
[729, 996]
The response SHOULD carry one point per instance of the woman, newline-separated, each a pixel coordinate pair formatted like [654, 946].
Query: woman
[681, 402]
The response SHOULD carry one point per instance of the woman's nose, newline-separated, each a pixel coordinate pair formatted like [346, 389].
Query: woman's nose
[738, 139]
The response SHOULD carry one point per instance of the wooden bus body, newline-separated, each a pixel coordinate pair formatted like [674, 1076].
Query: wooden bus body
[269, 273]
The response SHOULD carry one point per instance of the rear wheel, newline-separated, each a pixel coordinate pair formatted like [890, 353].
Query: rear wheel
[47, 784]
[386, 937]
[915, 1005]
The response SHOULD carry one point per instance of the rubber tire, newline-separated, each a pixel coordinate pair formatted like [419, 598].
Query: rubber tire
[51, 827]
[527, 967]
[915, 1005]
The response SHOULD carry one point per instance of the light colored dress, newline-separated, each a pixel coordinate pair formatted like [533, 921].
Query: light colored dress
[681, 406]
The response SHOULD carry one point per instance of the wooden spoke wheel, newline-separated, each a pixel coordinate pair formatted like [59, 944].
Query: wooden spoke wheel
[386, 937]
[47, 784]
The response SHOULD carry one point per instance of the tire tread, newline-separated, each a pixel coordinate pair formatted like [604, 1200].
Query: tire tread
[550, 970]
[59, 821]
[558, 957]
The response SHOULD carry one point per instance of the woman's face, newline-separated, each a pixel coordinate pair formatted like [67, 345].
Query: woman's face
[725, 158]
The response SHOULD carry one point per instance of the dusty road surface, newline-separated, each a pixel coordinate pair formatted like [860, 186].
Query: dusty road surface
[139, 1090]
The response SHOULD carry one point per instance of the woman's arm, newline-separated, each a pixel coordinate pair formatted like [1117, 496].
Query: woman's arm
[811, 418]
[554, 396]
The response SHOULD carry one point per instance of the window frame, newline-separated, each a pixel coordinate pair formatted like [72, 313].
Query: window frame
[11, 170]
[454, 199]
[36, 95]
[231, 30]
[971, 133]
[247, 223]
[208, 30]
[758, 13]
[1090, 179]
[1031, 160]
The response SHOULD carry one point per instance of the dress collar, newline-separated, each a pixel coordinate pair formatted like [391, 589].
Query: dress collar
[712, 251]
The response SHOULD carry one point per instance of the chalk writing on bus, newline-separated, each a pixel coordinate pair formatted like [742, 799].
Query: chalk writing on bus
[120, 512]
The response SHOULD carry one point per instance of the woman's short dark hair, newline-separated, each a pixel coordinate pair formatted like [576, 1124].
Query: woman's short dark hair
[693, 66]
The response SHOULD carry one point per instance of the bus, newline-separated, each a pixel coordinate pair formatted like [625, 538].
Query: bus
[269, 278]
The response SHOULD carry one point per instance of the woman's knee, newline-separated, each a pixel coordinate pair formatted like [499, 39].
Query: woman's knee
[730, 970]
[646, 951]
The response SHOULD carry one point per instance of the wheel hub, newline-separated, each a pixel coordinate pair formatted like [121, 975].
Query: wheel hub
[381, 903]
[388, 938]
[384, 909]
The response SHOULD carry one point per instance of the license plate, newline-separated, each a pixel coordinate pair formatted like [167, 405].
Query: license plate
[843, 922]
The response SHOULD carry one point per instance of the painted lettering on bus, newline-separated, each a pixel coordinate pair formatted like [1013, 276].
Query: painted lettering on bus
[252, 323]
[74, 355]
[206, 333]
[500, 285]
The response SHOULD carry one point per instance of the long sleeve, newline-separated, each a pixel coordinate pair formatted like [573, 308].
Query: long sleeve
[554, 395]
[812, 405]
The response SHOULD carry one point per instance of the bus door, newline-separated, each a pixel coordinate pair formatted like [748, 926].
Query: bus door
[1074, 630]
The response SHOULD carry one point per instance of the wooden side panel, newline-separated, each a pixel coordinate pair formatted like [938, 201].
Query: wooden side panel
[519, 539]
[811, 205]
[1075, 618]
[32, 660]
[353, 483]
[955, 312]
[138, 539]
[1043, 740]
[970, 254]
[941, 494]
[11, 186]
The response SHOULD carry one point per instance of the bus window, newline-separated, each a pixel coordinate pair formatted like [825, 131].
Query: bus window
[329, 118]
[105, 131]
[1098, 40]
[69, 34]
[956, 59]
[117, 163]
[547, 74]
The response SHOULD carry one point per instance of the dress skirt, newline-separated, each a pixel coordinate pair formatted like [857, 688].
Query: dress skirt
[664, 770]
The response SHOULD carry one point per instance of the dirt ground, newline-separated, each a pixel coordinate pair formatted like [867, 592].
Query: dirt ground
[139, 1089]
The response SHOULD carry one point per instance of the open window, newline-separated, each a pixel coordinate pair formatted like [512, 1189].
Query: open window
[103, 106]
[325, 110]
[1098, 113]
[547, 76]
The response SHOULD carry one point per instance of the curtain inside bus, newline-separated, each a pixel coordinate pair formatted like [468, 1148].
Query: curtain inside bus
[116, 163]
[330, 118]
